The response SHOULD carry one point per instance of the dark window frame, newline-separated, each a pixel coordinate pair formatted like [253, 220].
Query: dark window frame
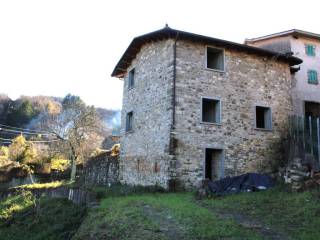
[131, 78]
[129, 121]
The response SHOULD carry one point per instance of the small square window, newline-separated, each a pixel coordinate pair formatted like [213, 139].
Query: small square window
[310, 50]
[263, 118]
[215, 59]
[211, 110]
[312, 77]
[129, 121]
[131, 79]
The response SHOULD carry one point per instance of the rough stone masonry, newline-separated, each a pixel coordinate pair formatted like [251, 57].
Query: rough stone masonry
[154, 152]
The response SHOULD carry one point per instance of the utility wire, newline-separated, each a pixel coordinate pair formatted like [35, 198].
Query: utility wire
[23, 132]
[24, 129]
[32, 141]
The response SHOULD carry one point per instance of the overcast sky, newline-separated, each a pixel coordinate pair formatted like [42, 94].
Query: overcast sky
[62, 46]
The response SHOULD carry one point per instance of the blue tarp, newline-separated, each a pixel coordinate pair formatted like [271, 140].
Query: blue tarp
[244, 183]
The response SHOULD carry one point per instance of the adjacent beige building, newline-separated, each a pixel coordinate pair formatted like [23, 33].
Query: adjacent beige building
[306, 46]
[198, 107]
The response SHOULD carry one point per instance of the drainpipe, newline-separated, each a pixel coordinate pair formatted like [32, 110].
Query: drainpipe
[172, 144]
[174, 82]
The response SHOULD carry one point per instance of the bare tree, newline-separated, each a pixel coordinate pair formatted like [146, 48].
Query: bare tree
[78, 126]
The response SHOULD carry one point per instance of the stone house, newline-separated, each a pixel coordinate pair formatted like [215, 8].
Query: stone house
[198, 107]
[306, 46]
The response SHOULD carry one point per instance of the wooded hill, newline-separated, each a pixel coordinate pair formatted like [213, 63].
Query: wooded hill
[24, 111]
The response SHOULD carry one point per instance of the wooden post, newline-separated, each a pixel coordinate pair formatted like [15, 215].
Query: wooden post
[310, 133]
[318, 138]
[303, 134]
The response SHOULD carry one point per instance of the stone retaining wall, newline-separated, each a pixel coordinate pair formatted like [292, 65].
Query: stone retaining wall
[102, 170]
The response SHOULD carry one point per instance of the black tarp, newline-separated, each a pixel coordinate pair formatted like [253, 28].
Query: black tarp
[244, 183]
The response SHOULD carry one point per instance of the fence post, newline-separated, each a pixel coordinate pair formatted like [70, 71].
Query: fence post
[318, 138]
[303, 134]
[310, 132]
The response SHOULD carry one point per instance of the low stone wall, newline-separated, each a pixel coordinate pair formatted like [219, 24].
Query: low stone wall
[102, 170]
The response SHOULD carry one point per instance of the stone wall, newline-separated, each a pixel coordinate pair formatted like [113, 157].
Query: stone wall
[102, 170]
[302, 91]
[144, 151]
[248, 81]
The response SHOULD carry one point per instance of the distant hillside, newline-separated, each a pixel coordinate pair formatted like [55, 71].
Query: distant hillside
[24, 110]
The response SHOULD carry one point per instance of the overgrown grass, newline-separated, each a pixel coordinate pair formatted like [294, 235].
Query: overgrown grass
[24, 217]
[129, 218]
[14, 204]
[117, 190]
[297, 214]
[144, 213]
[54, 184]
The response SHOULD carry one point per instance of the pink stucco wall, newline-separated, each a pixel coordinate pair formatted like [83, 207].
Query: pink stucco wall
[303, 91]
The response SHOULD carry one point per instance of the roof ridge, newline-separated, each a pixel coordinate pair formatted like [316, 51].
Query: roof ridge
[168, 32]
[284, 33]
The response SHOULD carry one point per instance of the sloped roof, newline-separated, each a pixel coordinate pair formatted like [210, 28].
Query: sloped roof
[166, 33]
[293, 32]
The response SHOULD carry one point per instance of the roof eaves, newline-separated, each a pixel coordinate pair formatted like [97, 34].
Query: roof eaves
[284, 33]
[167, 32]
[279, 34]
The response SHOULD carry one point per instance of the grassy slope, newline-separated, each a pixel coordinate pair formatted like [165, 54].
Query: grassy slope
[146, 217]
[51, 219]
[160, 216]
[297, 214]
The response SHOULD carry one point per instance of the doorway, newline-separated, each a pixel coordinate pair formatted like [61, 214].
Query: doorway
[312, 109]
[214, 161]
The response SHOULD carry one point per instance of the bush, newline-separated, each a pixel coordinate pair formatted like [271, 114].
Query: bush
[4, 155]
[4, 151]
[115, 150]
[60, 164]
[22, 151]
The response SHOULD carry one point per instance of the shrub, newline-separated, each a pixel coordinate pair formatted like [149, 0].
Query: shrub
[4, 155]
[22, 151]
[61, 165]
[4, 151]
[115, 150]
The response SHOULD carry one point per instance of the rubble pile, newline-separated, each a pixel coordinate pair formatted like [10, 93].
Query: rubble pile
[302, 174]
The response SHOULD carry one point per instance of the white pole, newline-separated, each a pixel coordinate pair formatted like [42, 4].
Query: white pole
[318, 135]
[310, 132]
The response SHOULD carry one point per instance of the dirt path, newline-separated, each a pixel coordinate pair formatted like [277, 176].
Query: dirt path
[247, 222]
[168, 226]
